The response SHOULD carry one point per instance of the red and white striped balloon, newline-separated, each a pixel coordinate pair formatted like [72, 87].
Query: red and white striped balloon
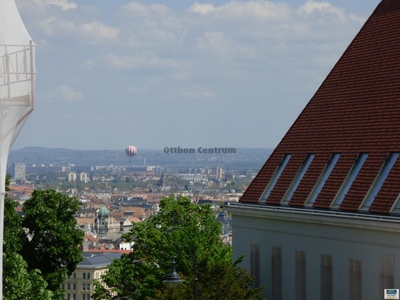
[130, 150]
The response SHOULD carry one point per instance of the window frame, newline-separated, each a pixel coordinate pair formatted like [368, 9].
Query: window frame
[323, 178]
[276, 272]
[298, 178]
[300, 275]
[255, 263]
[349, 180]
[379, 180]
[275, 177]
[355, 279]
[326, 277]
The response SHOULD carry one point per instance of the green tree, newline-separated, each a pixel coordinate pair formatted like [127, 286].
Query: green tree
[18, 282]
[188, 232]
[21, 284]
[52, 245]
[218, 281]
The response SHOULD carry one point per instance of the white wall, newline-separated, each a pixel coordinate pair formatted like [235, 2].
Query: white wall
[342, 237]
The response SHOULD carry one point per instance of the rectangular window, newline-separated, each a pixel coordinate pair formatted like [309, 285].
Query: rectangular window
[84, 297]
[88, 275]
[255, 264]
[299, 176]
[323, 178]
[379, 180]
[74, 297]
[386, 263]
[88, 286]
[84, 275]
[83, 286]
[276, 267]
[362, 157]
[69, 286]
[300, 275]
[326, 277]
[74, 275]
[74, 286]
[276, 176]
[69, 296]
[354, 279]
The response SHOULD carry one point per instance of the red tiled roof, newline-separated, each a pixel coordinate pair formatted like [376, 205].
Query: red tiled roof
[90, 238]
[355, 110]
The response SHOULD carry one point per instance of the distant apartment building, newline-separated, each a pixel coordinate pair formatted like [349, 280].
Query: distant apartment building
[79, 286]
[83, 177]
[219, 172]
[72, 176]
[193, 177]
[19, 171]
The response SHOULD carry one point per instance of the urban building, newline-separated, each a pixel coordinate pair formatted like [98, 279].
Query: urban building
[219, 172]
[72, 176]
[104, 223]
[321, 218]
[19, 171]
[79, 286]
[83, 177]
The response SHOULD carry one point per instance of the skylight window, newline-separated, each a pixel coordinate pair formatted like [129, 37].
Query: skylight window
[299, 176]
[362, 157]
[276, 176]
[379, 180]
[395, 210]
[323, 178]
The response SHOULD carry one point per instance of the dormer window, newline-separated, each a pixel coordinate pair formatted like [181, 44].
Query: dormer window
[323, 178]
[344, 189]
[275, 177]
[299, 176]
[379, 181]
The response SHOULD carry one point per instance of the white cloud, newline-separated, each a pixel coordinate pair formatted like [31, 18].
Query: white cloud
[146, 59]
[94, 32]
[259, 10]
[201, 8]
[64, 4]
[139, 9]
[63, 93]
[320, 9]
[99, 31]
[220, 43]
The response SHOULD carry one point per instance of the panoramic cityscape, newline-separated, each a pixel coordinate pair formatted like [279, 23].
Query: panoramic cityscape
[222, 150]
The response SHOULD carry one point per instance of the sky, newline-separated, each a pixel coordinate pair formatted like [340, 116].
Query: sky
[171, 73]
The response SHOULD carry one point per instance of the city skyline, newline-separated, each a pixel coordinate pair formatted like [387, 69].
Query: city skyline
[156, 74]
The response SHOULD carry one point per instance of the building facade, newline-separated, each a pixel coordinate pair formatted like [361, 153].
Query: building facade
[321, 218]
[19, 171]
[79, 286]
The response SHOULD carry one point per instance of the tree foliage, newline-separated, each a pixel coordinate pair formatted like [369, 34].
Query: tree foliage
[218, 281]
[21, 284]
[34, 269]
[188, 232]
[52, 245]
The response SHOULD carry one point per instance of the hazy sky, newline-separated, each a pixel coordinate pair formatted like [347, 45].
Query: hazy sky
[179, 73]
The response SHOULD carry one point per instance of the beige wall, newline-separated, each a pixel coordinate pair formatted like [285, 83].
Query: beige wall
[79, 286]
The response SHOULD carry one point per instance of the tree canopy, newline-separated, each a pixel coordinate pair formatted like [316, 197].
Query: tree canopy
[189, 233]
[34, 267]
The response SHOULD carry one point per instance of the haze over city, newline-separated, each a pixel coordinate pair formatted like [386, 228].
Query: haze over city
[171, 73]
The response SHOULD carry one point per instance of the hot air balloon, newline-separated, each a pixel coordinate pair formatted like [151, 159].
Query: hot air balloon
[130, 150]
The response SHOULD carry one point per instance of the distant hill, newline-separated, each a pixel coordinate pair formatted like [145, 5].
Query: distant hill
[243, 158]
